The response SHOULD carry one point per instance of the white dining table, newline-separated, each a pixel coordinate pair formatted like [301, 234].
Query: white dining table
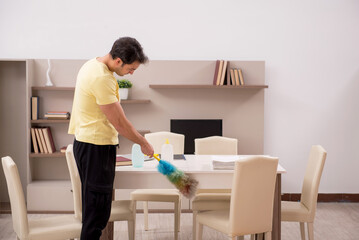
[199, 167]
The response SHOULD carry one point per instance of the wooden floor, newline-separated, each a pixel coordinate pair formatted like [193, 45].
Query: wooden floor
[334, 221]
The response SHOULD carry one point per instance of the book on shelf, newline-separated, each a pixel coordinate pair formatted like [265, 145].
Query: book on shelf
[39, 140]
[43, 142]
[227, 79]
[57, 115]
[48, 139]
[233, 81]
[220, 69]
[216, 72]
[126, 159]
[236, 76]
[224, 72]
[34, 141]
[123, 161]
[241, 76]
[34, 108]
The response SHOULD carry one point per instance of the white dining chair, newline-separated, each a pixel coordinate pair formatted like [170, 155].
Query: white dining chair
[251, 202]
[47, 228]
[304, 211]
[121, 210]
[157, 139]
[212, 199]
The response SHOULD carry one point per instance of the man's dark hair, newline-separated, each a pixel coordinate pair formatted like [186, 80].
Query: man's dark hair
[129, 50]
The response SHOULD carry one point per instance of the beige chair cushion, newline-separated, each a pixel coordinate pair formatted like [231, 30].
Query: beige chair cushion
[64, 227]
[211, 201]
[212, 197]
[121, 210]
[218, 220]
[156, 195]
[294, 212]
[210, 205]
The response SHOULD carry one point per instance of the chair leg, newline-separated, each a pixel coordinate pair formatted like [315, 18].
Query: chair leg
[302, 230]
[260, 236]
[268, 235]
[253, 236]
[134, 209]
[199, 231]
[310, 231]
[145, 214]
[131, 230]
[194, 225]
[176, 223]
[179, 213]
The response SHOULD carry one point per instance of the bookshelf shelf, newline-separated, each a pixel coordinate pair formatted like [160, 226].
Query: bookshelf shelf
[128, 101]
[202, 86]
[43, 155]
[53, 88]
[50, 121]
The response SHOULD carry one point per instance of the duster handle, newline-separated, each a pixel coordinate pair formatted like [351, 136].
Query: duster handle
[156, 156]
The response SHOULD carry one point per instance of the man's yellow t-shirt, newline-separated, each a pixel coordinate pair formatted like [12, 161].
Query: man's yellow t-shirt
[95, 86]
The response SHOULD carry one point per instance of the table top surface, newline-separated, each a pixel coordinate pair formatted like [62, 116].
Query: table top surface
[193, 164]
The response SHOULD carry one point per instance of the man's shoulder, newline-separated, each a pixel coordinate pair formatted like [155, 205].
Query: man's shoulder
[91, 62]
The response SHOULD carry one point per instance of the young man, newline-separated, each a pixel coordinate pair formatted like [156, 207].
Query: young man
[97, 119]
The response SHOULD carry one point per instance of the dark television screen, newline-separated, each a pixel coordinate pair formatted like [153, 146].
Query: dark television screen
[196, 128]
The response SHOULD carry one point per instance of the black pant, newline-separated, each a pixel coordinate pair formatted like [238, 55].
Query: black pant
[96, 165]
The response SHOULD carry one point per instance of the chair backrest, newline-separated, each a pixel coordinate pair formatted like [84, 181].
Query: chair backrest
[312, 177]
[157, 139]
[215, 145]
[17, 199]
[251, 208]
[75, 181]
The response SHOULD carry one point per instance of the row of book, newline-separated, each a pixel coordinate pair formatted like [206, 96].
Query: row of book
[236, 77]
[42, 141]
[224, 75]
[51, 115]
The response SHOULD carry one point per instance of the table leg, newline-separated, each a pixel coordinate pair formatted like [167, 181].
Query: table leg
[276, 228]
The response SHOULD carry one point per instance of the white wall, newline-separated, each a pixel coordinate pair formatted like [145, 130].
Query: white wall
[310, 48]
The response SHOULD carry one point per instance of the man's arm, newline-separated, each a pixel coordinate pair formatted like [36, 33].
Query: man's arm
[118, 119]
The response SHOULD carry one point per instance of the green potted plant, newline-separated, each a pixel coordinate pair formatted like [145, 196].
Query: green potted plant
[124, 85]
